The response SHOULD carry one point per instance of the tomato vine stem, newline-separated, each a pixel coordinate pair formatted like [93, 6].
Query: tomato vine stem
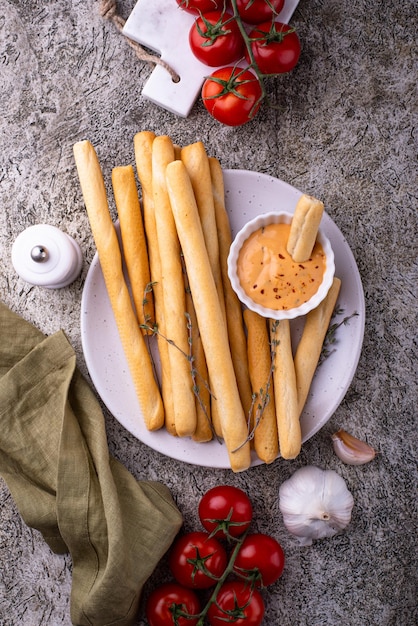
[220, 581]
[228, 570]
[253, 65]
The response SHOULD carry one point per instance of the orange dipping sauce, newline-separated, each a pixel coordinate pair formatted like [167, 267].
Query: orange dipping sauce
[268, 274]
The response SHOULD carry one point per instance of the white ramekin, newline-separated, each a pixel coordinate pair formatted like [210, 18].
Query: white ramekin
[264, 220]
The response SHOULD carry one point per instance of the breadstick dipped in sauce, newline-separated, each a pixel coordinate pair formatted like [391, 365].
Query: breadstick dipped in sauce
[304, 228]
[268, 274]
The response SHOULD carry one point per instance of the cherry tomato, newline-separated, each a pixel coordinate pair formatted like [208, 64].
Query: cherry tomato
[215, 39]
[276, 47]
[238, 604]
[260, 559]
[197, 560]
[225, 511]
[232, 95]
[168, 602]
[200, 6]
[258, 11]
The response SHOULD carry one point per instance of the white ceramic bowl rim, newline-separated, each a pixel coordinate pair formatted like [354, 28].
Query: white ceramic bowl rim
[264, 219]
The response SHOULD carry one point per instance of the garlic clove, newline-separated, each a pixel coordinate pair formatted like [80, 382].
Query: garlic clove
[351, 450]
[315, 503]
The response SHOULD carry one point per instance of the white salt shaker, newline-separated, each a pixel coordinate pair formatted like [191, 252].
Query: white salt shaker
[44, 255]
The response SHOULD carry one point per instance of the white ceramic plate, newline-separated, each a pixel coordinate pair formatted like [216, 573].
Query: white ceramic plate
[247, 195]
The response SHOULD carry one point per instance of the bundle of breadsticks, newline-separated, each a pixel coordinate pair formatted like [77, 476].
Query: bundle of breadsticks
[224, 373]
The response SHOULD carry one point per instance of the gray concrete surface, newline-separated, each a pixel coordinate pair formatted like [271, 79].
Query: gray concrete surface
[345, 131]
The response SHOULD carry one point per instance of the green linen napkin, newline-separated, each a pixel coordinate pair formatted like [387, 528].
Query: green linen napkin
[55, 460]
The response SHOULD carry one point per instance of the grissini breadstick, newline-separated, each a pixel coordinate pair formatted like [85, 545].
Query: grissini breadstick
[209, 314]
[304, 228]
[285, 391]
[236, 331]
[174, 294]
[196, 160]
[309, 348]
[266, 443]
[203, 430]
[105, 237]
[143, 158]
[133, 241]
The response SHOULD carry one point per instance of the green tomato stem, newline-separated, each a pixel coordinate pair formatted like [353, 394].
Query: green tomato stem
[253, 65]
[228, 570]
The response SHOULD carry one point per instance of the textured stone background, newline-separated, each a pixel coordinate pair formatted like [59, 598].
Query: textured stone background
[345, 132]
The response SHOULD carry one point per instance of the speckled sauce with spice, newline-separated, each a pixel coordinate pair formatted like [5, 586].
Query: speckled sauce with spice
[268, 274]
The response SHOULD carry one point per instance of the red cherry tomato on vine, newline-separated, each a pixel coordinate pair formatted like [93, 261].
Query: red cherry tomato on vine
[276, 47]
[215, 39]
[232, 95]
[238, 604]
[200, 6]
[225, 511]
[261, 559]
[258, 11]
[197, 560]
[168, 602]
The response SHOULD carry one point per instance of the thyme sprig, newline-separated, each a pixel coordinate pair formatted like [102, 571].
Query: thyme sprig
[331, 334]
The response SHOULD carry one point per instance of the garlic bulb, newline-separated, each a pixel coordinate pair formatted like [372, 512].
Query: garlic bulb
[315, 503]
[350, 449]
